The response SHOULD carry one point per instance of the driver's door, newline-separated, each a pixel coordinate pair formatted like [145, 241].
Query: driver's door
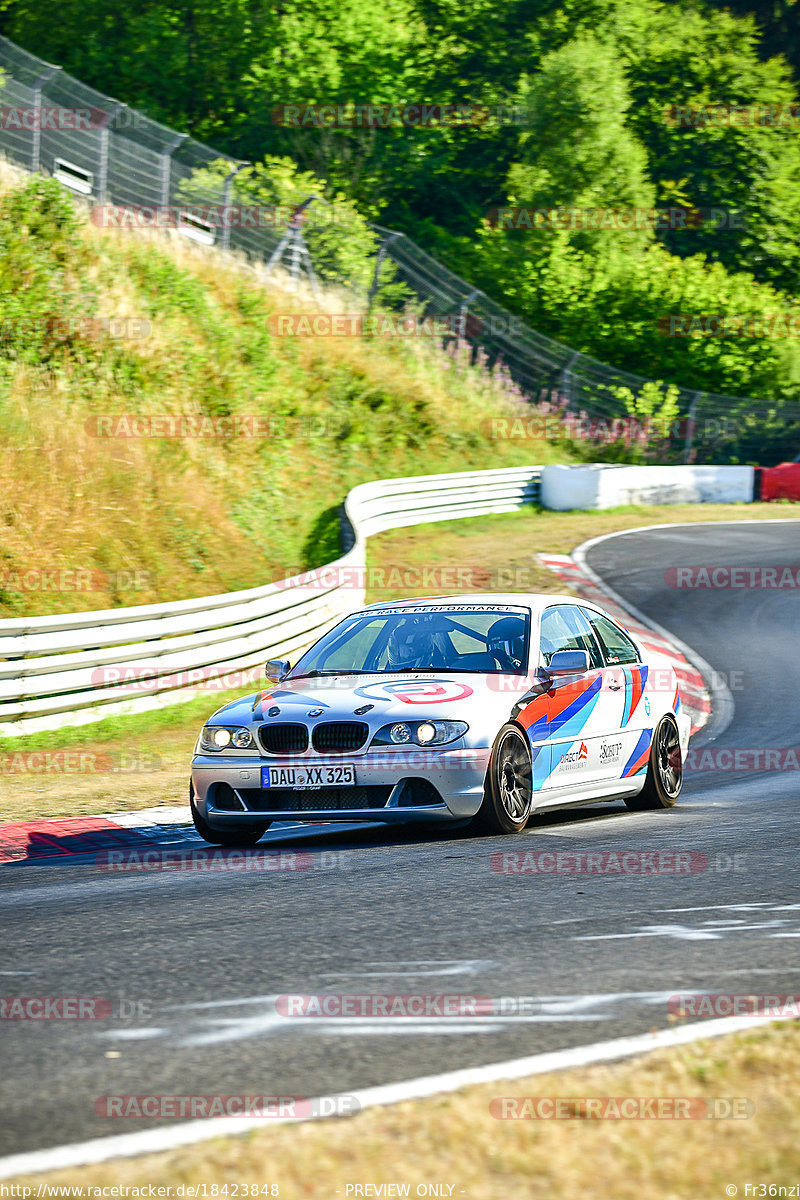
[579, 715]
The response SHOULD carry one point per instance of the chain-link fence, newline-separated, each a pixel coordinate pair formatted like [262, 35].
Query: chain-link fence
[113, 155]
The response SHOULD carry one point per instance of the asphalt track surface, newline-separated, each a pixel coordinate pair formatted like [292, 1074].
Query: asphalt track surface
[199, 958]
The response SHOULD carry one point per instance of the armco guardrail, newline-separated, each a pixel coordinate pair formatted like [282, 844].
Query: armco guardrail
[76, 668]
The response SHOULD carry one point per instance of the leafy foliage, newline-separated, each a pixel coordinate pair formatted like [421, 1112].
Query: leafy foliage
[574, 108]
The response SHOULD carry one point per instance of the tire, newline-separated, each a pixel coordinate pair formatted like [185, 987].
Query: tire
[508, 795]
[248, 835]
[664, 778]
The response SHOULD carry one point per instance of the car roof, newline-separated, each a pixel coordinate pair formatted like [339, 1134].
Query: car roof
[535, 601]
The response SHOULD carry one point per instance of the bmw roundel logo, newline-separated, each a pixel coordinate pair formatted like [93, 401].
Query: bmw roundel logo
[315, 712]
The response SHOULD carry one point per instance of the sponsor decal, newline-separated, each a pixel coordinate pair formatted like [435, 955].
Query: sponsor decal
[412, 691]
[610, 752]
[402, 608]
[574, 758]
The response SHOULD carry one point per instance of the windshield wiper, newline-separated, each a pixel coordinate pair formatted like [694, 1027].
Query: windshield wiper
[315, 674]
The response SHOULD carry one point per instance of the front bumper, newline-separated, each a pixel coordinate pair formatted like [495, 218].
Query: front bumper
[391, 786]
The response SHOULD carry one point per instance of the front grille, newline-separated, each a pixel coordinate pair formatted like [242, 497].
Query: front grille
[327, 799]
[284, 738]
[339, 737]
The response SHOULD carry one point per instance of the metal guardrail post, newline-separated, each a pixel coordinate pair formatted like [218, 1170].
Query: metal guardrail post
[226, 200]
[293, 239]
[166, 165]
[36, 147]
[566, 378]
[384, 250]
[464, 310]
[102, 174]
[691, 425]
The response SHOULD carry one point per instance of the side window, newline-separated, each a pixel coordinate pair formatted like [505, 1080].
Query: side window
[566, 628]
[617, 645]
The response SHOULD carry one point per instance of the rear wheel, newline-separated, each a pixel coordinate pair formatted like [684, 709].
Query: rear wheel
[509, 786]
[664, 778]
[248, 835]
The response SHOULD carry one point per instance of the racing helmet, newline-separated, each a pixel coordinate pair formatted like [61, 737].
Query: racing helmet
[419, 641]
[408, 645]
[506, 641]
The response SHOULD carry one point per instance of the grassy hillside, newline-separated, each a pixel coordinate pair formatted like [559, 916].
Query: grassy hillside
[99, 328]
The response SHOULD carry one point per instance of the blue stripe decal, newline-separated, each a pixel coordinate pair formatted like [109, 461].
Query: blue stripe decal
[572, 719]
[537, 781]
[626, 712]
[645, 738]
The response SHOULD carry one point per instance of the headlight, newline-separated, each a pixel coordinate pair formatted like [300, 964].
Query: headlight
[420, 733]
[218, 737]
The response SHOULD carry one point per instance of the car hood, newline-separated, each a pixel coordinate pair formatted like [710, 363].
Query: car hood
[477, 699]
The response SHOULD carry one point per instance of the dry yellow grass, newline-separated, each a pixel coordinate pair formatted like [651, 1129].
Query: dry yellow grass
[196, 515]
[453, 1140]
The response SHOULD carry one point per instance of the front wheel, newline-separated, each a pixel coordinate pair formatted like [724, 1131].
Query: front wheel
[664, 778]
[248, 835]
[509, 786]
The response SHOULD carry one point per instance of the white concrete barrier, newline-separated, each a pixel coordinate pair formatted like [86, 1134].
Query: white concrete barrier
[605, 485]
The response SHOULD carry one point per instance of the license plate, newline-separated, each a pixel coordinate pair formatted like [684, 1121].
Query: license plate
[308, 778]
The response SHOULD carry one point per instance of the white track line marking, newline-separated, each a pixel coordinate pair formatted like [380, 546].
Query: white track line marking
[150, 1141]
[722, 706]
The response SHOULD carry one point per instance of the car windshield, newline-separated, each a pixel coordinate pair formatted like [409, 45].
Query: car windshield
[488, 640]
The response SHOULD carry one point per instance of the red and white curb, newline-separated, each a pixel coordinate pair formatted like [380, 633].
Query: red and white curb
[694, 693]
[167, 827]
[51, 838]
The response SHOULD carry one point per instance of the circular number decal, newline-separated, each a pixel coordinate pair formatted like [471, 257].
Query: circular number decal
[421, 691]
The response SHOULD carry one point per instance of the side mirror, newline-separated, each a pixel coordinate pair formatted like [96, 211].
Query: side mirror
[568, 662]
[277, 669]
